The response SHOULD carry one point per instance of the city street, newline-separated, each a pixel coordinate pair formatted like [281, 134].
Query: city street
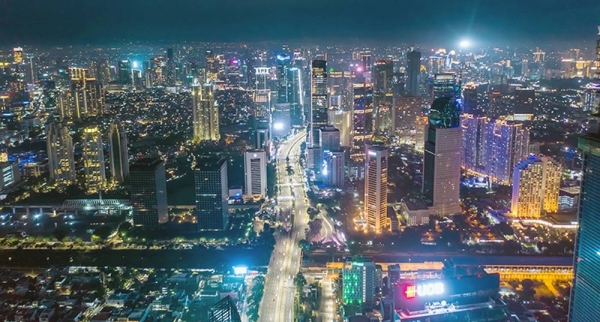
[278, 301]
[327, 305]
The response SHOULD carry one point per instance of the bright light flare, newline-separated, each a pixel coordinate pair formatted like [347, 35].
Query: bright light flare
[278, 126]
[464, 43]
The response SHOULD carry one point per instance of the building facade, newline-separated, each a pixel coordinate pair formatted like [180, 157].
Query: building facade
[211, 188]
[119, 154]
[536, 187]
[205, 112]
[376, 179]
[61, 162]
[93, 160]
[149, 193]
[255, 168]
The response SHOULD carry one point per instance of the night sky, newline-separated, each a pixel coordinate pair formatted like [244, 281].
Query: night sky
[105, 21]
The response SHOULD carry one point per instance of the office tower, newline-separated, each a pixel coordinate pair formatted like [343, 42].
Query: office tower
[413, 69]
[170, 68]
[506, 144]
[255, 168]
[148, 193]
[212, 67]
[334, 169]
[211, 188]
[61, 163]
[329, 138]
[296, 96]
[443, 84]
[474, 150]
[119, 155]
[376, 179]
[470, 103]
[319, 100]
[93, 159]
[358, 282]
[283, 86]
[103, 73]
[362, 130]
[205, 113]
[261, 138]
[342, 120]
[18, 55]
[124, 72]
[224, 311]
[3, 154]
[441, 164]
[536, 186]
[86, 95]
[383, 96]
[9, 174]
[340, 84]
[524, 104]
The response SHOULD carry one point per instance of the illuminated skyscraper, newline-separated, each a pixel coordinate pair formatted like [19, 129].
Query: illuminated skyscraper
[18, 55]
[584, 293]
[93, 159]
[61, 163]
[119, 155]
[443, 84]
[413, 70]
[334, 169]
[470, 102]
[170, 68]
[125, 76]
[362, 130]
[474, 150]
[224, 311]
[420, 129]
[211, 188]
[86, 95]
[383, 96]
[358, 285]
[255, 168]
[376, 179]
[506, 143]
[149, 193]
[441, 164]
[212, 67]
[205, 113]
[407, 108]
[319, 100]
[536, 185]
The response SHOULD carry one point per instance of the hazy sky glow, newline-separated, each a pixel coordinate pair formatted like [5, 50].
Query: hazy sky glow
[92, 21]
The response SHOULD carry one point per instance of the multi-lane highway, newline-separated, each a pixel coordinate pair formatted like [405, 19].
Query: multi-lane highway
[278, 300]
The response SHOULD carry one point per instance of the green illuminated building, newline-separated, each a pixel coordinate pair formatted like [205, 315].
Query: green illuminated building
[358, 282]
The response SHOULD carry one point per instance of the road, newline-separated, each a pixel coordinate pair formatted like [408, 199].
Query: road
[278, 301]
[327, 304]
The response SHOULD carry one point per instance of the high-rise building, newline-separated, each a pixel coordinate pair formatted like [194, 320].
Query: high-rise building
[9, 174]
[358, 282]
[281, 119]
[255, 167]
[86, 95]
[148, 193]
[383, 96]
[342, 120]
[119, 155]
[506, 144]
[205, 113]
[93, 159]
[224, 311]
[319, 100]
[524, 104]
[61, 163]
[536, 186]
[334, 169]
[329, 138]
[474, 150]
[376, 179]
[362, 130]
[413, 69]
[470, 101]
[442, 159]
[170, 68]
[443, 84]
[18, 55]
[420, 129]
[125, 75]
[211, 188]
[407, 109]
[296, 96]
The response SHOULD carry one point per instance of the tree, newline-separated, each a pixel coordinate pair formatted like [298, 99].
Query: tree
[103, 232]
[304, 245]
[60, 234]
[314, 229]
[124, 228]
[299, 280]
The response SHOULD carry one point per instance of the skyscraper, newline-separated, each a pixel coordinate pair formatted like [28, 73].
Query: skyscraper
[443, 84]
[474, 150]
[119, 155]
[86, 94]
[125, 76]
[319, 100]
[536, 185]
[506, 144]
[93, 159]
[333, 171]
[413, 70]
[376, 179]
[584, 293]
[363, 118]
[211, 188]
[255, 168]
[205, 113]
[441, 164]
[170, 70]
[18, 55]
[148, 193]
[224, 311]
[383, 96]
[358, 286]
[61, 163]
[329, 138]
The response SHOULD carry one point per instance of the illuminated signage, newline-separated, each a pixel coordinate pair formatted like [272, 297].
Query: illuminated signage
[262, 70]
[372, 153]
[240, 270]
[429, 289]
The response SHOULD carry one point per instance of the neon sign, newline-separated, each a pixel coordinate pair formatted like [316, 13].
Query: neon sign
[429, 289]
